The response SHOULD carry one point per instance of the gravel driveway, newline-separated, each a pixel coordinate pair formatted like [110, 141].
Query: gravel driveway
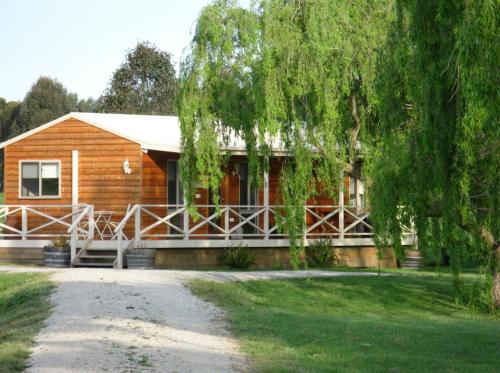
[138, 321]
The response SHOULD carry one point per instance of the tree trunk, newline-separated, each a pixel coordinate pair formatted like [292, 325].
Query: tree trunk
[495, 264]
[496, 276]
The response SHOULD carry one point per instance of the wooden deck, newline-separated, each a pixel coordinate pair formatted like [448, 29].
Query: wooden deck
[101, 242]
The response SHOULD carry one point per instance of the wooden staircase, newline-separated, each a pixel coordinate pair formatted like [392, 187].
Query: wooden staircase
[95, 257]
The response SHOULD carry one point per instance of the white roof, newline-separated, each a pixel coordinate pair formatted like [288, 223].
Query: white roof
[153, 132]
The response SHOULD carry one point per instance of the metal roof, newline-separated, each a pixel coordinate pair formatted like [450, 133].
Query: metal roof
[153, 132]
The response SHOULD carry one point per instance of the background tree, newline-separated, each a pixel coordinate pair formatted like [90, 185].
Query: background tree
[298, 72]
[144, 84]
[437, 162]
[87, 105]
[46, 100]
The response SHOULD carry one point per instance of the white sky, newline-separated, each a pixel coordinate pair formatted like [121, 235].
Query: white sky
[81, 43]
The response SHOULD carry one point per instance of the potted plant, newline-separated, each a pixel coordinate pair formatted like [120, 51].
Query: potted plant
[140, 258]
[57, 254]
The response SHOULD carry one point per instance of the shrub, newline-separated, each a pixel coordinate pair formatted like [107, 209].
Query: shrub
[60, 242]
[238, 256]
[319, 253]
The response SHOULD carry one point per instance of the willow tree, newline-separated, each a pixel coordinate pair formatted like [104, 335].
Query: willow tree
[438, 159]
[296, 72]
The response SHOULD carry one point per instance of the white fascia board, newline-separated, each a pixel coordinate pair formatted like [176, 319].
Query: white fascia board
[36, 130]
[170, 149]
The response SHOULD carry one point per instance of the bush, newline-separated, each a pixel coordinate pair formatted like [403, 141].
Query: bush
[319, 253]
[238, 256]
[60, 242]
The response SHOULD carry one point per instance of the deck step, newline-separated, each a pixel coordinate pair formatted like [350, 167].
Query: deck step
[96, 257]
[96, 265]
[412, 262]
[91, 257]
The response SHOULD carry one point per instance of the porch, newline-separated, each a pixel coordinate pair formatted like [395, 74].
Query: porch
[170, 226]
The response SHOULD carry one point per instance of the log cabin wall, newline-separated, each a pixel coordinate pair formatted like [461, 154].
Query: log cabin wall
[102, 181]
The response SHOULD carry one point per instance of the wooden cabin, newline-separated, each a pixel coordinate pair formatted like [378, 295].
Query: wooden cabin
[106, 178]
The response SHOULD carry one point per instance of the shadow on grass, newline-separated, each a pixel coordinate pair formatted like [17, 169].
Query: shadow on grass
[367, 324]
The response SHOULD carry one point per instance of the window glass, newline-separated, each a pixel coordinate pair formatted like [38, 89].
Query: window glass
[352, 191]
[29, 180]
[50, 179]
[243, 170]
[172, 182]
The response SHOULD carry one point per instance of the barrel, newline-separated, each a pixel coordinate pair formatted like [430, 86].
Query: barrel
[56, 257]
[140, 258]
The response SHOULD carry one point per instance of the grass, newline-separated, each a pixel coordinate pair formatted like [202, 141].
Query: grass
[399, 323]
[24, 305]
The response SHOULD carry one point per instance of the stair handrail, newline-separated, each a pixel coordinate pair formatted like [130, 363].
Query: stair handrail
[77, 221]
[119, 235]
[73, 229]
[127, 216]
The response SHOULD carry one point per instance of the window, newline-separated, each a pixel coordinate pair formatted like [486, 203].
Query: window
[357, 197]
[174, 188]
[248, 191]
[40, 179]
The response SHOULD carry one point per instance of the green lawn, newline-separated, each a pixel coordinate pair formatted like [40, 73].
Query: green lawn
[398, 323]
[24, 304]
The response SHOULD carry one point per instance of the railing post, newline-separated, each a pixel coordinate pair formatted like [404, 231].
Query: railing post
[226, 222]
[74, 238]
[91, 223]
[137, 230]
[185, 223]
[119, 252]
[266, 204]
[24, 222]
[341, 205]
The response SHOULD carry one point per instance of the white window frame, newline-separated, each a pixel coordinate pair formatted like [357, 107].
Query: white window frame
[39, 161]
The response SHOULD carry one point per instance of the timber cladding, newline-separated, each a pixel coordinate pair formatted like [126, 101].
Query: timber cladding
[22, 255]
[271, 257]
[102, 181]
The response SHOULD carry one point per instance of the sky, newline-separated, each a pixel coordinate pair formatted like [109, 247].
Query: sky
[81, 43]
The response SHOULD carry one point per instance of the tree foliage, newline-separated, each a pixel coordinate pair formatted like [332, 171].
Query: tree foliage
[144, 84]
[438, 156]
[46, 100]
[297, 72]
[415, 81]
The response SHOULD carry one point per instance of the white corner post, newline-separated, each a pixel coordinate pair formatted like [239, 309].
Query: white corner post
[74, 201]
[185, 222]
[226, 223]
[266, 203]
[341, 205]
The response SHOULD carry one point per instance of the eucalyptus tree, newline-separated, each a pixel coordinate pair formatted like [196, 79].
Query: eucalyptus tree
[144, 84]
[296, 72]
[45, 101]
[438, 159]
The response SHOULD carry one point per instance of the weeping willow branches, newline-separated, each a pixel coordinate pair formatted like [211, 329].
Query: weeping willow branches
[296, 72]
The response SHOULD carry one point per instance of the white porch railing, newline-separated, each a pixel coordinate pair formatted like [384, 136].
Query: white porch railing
[238, 222]
[36, 225]
[171, 225]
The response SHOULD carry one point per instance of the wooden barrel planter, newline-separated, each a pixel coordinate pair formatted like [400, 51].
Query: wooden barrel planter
[140, 258]
[56, 257]
[413, 260]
